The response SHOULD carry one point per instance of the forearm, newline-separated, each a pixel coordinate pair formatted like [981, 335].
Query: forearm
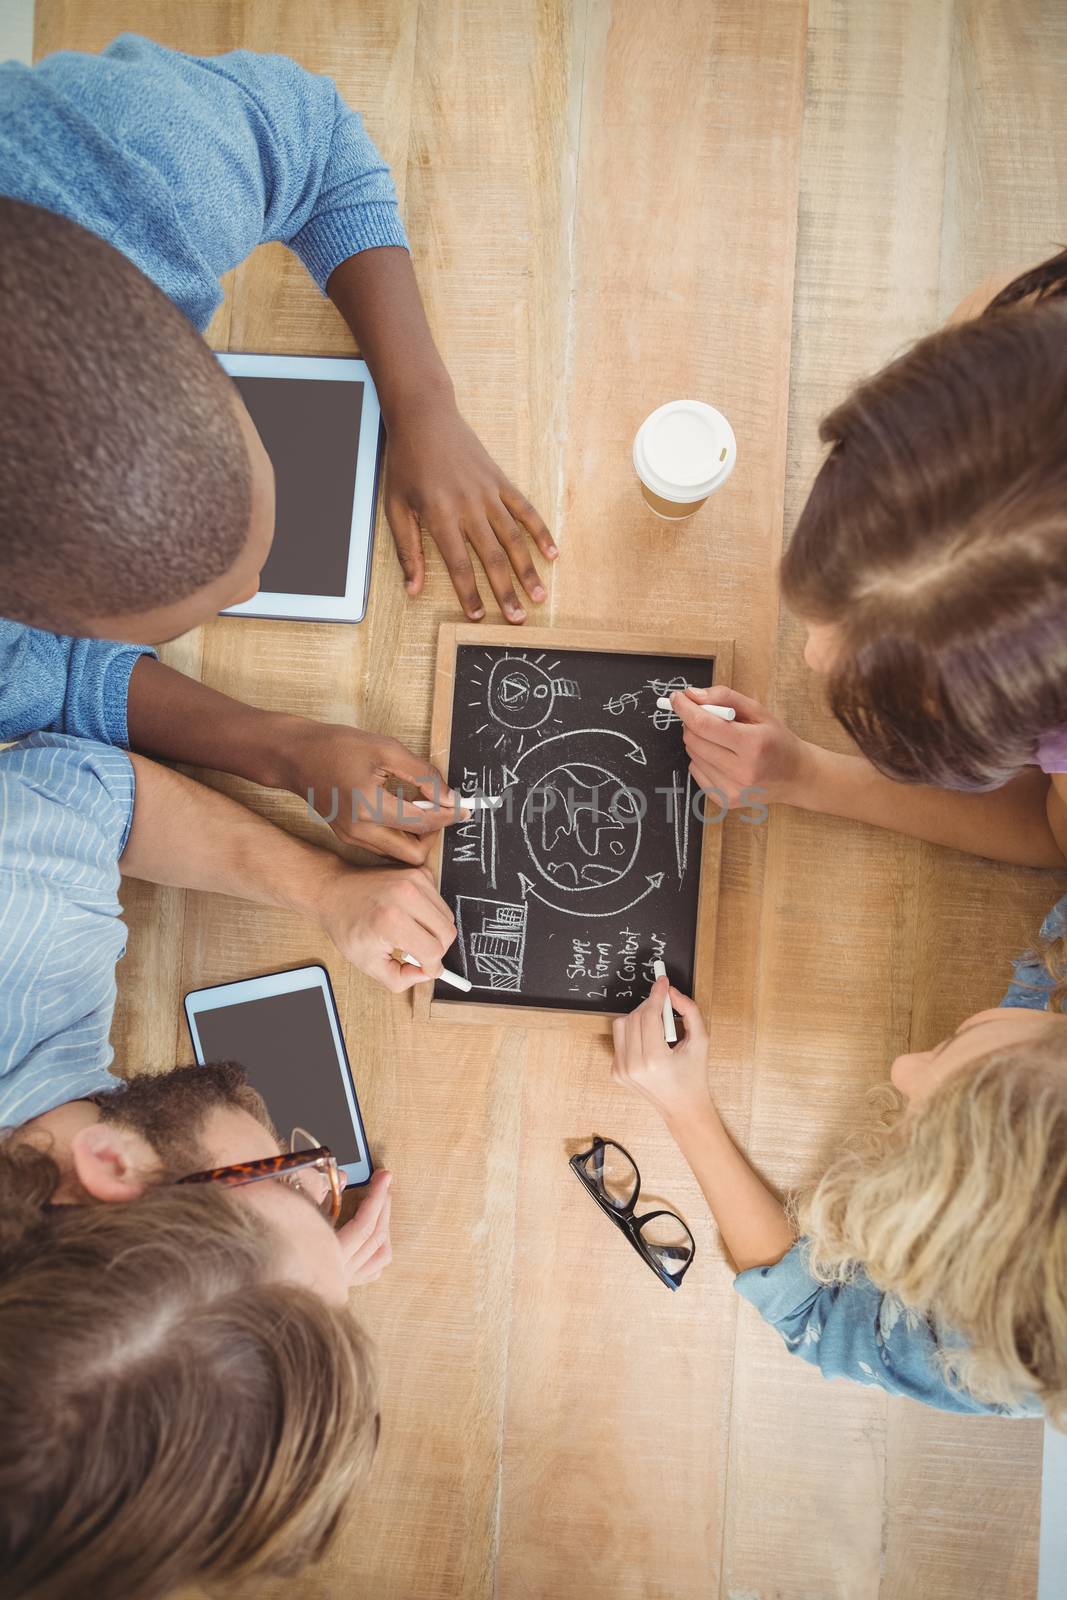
[177, 718]
[378, 296]
[751, 1219]
[1009, 824]
[190, 837]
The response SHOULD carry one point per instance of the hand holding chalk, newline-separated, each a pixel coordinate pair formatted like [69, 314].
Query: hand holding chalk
[670, 1032]
[408, 960]
[727, 713]
[467, 802]
[673, 1076]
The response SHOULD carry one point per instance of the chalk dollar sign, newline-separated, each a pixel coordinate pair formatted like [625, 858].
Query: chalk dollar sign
[620, 703]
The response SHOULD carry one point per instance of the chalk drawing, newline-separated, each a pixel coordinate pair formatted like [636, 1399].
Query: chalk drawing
[662, 689]
[521, 695]
[530, 891]
[491, 935]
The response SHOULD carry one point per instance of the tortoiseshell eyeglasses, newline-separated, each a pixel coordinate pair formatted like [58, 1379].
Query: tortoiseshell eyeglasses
[309, 1168]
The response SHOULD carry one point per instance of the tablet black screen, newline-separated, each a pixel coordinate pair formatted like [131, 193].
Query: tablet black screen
[310, 430]
[285, 1044]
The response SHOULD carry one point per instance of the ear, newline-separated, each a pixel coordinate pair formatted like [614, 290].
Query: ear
[109, 1161]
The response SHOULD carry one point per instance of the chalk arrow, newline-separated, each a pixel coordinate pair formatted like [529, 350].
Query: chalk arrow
[547, 753]
[653, 880]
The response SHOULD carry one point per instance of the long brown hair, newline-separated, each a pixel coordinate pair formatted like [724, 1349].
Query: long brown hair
[935, 542]
[172, 1413]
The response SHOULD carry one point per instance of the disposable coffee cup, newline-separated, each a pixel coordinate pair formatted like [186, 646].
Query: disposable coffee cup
[683, 452]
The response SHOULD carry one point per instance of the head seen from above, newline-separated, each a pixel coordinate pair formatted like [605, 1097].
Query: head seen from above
[957, 1203]
[930, 561]
[205, 1407]
[136, 499]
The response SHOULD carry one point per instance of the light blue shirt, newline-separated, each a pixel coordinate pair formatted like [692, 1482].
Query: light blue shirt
[65, 811]
[853, 1330]
[185, 164]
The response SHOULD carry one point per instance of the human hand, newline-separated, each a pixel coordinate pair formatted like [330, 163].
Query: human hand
[674, 1079]
[756, 751]
[343, 772]
[439, 479]
[365, 1244]
[369, 912]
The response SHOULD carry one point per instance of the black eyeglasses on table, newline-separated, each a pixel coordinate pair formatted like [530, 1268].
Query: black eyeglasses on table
[661, 1238]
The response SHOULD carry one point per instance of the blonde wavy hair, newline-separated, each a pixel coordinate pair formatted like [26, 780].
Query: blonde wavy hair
[959, 1208]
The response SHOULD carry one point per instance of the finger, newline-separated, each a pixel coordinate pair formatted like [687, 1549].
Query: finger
[368, 1252]
[512, 539]
[407, 536]
[748, 710]
[652, 1016]
[393, 811]
[689, 1012]
[387, 842]
[456, 552]
[497, 569]
[365, 1218]
[434, 913]
[714, 758]
[529, 518]
[411, 937]
[400, 762]
[703, 725]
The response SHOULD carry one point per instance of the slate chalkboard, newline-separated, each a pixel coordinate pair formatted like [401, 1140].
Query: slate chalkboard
[591, 868]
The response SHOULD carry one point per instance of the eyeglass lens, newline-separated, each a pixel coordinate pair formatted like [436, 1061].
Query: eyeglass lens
[614, 1175]
[667, 1238]
[312, 1181]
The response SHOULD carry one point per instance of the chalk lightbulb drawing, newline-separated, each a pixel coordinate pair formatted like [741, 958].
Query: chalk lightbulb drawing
[521, 694]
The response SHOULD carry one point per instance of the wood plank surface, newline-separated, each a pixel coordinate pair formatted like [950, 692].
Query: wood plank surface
[613, 204]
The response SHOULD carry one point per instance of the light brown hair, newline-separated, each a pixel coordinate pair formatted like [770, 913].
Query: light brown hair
[934, 541]
[959, 1208]
[171, 1411]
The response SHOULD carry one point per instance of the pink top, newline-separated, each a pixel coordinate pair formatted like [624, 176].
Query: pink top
[1052, 751]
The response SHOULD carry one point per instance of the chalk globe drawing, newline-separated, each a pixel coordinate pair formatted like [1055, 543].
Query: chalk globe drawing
[582, 827]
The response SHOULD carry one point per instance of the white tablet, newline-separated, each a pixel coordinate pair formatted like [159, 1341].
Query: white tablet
[284, 1031]
[320, 422]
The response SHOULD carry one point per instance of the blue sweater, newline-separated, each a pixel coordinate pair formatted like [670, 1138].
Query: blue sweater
[185, 164]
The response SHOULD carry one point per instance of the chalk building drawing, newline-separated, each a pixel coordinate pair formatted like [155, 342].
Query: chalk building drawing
[492, 940]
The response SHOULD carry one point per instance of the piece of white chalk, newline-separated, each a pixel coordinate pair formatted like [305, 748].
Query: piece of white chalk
[670, 1032]
[727, 713]
[467, 802]
[446, 977]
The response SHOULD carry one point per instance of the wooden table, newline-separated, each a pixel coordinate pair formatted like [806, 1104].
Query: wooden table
[612, 205]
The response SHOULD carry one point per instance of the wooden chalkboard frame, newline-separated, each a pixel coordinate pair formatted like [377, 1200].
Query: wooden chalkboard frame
[430, 1009]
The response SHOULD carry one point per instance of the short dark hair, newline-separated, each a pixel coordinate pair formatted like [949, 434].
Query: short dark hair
[124, 477]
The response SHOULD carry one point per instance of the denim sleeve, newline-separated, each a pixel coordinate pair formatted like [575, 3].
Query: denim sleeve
[50, 683]
[853, 1330]
[1031, 983]
[235, 150]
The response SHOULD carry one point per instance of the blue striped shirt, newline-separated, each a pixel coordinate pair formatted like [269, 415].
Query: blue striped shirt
[65, 811]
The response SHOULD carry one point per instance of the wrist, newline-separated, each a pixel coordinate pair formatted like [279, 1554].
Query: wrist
[420, 392]
[813, 784]
[697, 1113]
[279, 751]
[311, 886]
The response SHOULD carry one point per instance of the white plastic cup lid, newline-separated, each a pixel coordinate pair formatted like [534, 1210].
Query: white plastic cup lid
[684, 450]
